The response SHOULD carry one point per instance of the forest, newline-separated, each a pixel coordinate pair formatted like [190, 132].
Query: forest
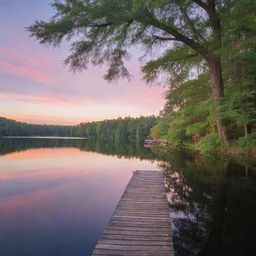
[10, 127]
[190, 113]
[120, 130]
[203, 51]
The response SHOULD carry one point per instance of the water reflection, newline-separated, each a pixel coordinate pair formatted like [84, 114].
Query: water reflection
[213, 200]
[103, 147]
[56, 197]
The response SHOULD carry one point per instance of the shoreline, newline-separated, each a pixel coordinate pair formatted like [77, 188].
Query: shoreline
[228, 152]
[43, 137]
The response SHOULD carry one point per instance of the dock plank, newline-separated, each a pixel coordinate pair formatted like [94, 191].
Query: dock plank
[140, 224]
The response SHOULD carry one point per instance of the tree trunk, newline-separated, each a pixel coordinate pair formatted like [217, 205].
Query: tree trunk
[246, 130]
[217, 93]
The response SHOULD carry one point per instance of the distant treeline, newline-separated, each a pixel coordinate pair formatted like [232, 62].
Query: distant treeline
[120, 130]
[10, 127]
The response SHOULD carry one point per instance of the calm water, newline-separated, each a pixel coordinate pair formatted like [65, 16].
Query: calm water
[57, 200]
[56, 196]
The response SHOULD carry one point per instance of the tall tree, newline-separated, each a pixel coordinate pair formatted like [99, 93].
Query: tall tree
[105, 29]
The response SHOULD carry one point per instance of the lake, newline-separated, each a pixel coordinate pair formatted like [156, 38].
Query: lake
[56, 196]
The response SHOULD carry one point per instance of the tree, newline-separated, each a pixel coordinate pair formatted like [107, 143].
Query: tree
[10, 127]
[120, 130]
[107, 28]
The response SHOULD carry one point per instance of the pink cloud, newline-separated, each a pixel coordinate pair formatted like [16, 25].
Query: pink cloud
[23, 72]
[85, 93]
[45, 100]
[17, 58]
[79, 89]
[43, 119]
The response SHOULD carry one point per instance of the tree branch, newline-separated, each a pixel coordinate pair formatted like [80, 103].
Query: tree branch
[201, 4]
[148, 18]
[165, 38]
[102, 25]
[96, 25]
[186, 57]
[190, 23]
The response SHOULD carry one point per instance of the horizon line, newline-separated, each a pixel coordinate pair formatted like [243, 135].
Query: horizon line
[83, 122]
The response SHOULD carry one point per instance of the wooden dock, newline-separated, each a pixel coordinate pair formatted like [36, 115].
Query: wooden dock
[140, 224]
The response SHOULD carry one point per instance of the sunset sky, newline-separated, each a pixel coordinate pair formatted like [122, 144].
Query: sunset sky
[36, 87]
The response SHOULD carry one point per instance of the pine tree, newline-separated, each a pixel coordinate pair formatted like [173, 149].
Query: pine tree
[106, 29]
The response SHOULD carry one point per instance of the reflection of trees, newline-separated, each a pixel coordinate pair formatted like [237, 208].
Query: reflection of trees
[213, 199]
[15, 145]
[104, 147]
[126, 150]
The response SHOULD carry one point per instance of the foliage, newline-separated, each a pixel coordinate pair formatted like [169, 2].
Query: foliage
[121, 130]
[247, 143]
[209, 142]
[10, 127]
[189, 109]
[160, 130]
[102, 31]
[212, 201]
[110, 148]
[203, 49]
